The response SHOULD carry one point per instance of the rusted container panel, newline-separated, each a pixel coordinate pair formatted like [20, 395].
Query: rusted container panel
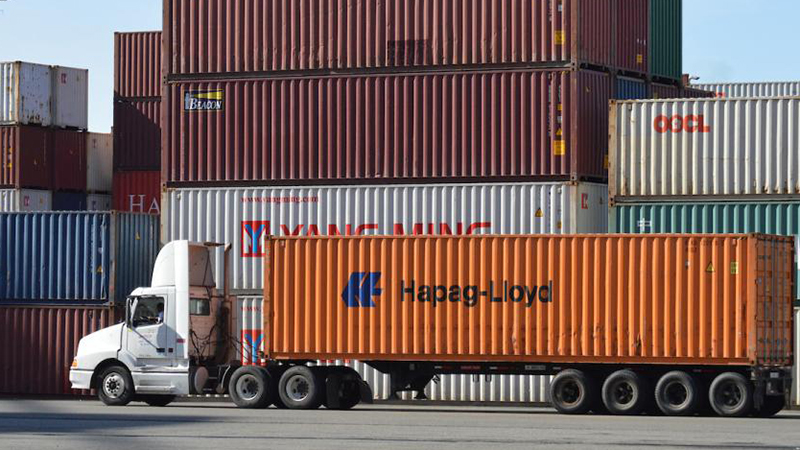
[570, 299]
[137, 192]
[217, 36]
[26, 159]
[69, 160]
[631, 35]
[399, 128]
[38, 343]
[137, 134]
[137, 64]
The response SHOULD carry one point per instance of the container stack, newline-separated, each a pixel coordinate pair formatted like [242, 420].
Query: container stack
[137, 122]
[402, 117]
[747, 90]
[44, 147]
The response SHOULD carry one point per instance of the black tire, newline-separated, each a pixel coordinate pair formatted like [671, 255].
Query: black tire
[349, 388]
[115, 386]
[156, 400]
[626, 393]
[677, 394]
[771, 406]
[573, 392]
[302, 387]
[731, 395]
[250, 387]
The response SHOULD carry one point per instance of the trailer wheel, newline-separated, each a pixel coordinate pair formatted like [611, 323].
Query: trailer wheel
[347, 385]
[677, 394]
[731, 395]
[626, 392]
[301, 387]
[573, 392]
[157, 400]
[771, 406]
[116, 386]
[250, 388]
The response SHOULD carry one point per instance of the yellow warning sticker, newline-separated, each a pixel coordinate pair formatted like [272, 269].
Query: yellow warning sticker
[559, 132]
[559, 37]
[639, 58]
[559, 148]
[559, 225]
[735, 268]
[138, 238]
[710, 268]
[539, 213]
[99, 269]
[605, 162]
[560, 107]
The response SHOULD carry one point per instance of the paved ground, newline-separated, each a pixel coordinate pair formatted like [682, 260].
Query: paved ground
[87, 425]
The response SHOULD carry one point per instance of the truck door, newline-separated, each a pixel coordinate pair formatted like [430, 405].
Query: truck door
[148, 336]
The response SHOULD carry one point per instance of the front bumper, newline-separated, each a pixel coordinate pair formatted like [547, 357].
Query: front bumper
[80, 379]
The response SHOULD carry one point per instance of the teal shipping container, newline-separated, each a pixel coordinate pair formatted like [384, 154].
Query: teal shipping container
[710, 217]
[75, 258]
[665, 50]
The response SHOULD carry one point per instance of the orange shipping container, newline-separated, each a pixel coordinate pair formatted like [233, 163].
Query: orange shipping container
[600, 299]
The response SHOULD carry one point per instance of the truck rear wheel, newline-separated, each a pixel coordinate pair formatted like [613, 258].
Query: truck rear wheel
[625, 392]
[677, 394]
[250, 387]
[346, 384]
[116, 386]
[573, 392]
[301, 387]
[731, 395]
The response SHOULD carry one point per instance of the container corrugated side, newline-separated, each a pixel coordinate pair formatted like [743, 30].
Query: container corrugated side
[301, 35]
[709, 217]
[709, 148]
[38, 343]
[499, 126]
[565, 299]
[631, 89]
[99, 162]
[75, 257]
[137, 134]
[69, 160]
[750, 90]
[98, 202]
[137, 64]
[25, 94]
[461, 388]
[632, 37]
[665, 53]
[25, 200]
[244, 217]
[70, 101]
[26, 157]
[137, 192]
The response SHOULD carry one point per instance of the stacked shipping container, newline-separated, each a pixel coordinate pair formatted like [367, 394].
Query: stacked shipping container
[751, 90]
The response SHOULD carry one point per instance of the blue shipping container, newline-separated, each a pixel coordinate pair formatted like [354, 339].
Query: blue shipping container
[631, 89]
[75, 257]
[69, 201]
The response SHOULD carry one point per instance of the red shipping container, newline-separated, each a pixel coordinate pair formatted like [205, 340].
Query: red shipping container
[137, 64]
[526, 125]
[69, 160]
[25, 157]
[38, 343]
[223, 36]
[137, 192]
[137, 134]
[632, 33]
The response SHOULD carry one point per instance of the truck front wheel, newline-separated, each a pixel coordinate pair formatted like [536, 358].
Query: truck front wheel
[301, 387]
[116, 386]
[250, 387]
[573, 392]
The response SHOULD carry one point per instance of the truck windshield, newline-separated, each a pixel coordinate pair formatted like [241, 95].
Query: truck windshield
[148, 311]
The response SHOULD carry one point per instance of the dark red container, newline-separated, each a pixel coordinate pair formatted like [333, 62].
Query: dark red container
[216, 36]
[138, 192]
[137, 134]
[25, 157]
[137, 64]
[393, 129]
[659, 91]
[690, 92]
[631, 35]
[69, 160]
[38, 343]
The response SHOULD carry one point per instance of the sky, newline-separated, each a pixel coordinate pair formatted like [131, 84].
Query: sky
[724, 40]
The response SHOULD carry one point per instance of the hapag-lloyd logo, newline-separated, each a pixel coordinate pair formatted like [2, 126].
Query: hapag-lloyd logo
[254, 232]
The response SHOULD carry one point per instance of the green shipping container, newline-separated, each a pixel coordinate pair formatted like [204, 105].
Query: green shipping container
[666, 38]
[769, 218]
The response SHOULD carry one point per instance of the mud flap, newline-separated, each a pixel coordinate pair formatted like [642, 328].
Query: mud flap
[332, 386]
[366, 392]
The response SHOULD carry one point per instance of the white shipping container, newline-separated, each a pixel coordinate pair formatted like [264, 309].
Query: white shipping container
[99, 162]
[25, 93]
[467, 388]
[243, 217]
[98, 202]
[25, 200]
[70, 103]
[746, 90]
[704, 147]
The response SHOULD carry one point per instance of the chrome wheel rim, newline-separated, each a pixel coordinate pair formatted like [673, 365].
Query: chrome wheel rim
[247, 387]
[297, 388]
[114, 385]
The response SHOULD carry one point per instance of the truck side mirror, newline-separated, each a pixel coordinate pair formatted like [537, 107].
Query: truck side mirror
[128, 309]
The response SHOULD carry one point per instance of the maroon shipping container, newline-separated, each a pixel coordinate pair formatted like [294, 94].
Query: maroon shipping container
[632, 33]
[137, 134]
[137, 64]
[137, 192]
[398, 128]
[690, 92]
[26, 157]
[659, 91]
[223, 36]
[69, 160]
[38, 343]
